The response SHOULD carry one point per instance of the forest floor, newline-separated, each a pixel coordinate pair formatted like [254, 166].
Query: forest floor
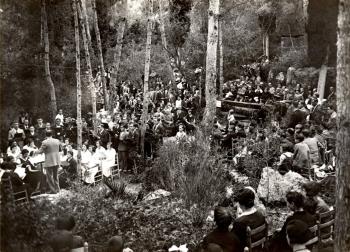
[150, 224]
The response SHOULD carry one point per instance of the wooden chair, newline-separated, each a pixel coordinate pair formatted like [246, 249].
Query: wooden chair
[326, 225]
[259, 243]
[314, 240]
[115, 170]
[98, 177]
[18, 198]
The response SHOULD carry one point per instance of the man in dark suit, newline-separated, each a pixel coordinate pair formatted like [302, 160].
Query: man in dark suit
[58, 130]
[51, 147]
[103, 134]
[250, 217]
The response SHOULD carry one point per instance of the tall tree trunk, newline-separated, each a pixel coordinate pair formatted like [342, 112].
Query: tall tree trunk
[100, 55]
[53, 104]
[164, 40]
[144, 117]
[77, 75]
[86, 20]
[342, 219]
[267, 45]
[119, 46]
[221, 59]
[211, 61]
[88, 63]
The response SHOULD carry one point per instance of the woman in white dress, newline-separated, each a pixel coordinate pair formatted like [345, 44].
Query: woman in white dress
[109, 161]
[91, 168]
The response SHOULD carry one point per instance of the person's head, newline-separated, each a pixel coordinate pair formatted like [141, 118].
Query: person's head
[26, 122]
[109, 145]
[98, 143]
[299, 138]
[115, 244]
[84, 147]
[99, 127]
[312, 189]
[213, 247]
[15, 125]
[48, 126]
[245, 198]
[306, 133]
[39, 120]
[14, 147]
[298, 128]
[32, 129]
[298, 233]
[60, 111]
[181, 128]
[295, 200]
[65, 222]
[25, 153]
[286, 148]
[48, 133]
[222, 217]
[91, 148]
[58, 121]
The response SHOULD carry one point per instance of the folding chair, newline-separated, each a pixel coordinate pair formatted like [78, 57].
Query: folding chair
[115, 169]
[259, 243]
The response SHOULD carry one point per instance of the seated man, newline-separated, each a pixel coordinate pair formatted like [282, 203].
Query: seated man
[248, 217]
[295, 202]
[115, 244]
[298, 234]
[221, 236]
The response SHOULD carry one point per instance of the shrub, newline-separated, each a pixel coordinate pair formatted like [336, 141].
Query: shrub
[193, 172]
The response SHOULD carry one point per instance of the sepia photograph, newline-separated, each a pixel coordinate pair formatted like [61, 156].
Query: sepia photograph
[175, 125]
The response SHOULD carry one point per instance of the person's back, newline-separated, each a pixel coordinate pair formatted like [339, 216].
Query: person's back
[51, 148]
[301, 156]
[248, 217]
[221, 236]
[227, 240]
[312, 143]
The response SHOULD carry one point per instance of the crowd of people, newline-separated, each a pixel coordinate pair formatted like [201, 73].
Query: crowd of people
[304, 124]
[232, 221]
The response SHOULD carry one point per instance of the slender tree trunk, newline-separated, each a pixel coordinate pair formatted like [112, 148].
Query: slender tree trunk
[53, 104]
[221, 59]
[144, 117]
[77, 75]
[342, 219]
[119, 46]
[86, 20]
[211, 61]
[100, 55]
[164, 40]
[267, 45]
[88, 63]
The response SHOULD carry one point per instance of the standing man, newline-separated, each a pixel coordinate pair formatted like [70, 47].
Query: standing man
[51, 147]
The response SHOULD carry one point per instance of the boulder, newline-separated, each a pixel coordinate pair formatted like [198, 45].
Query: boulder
[160, 193]
[273, 186]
